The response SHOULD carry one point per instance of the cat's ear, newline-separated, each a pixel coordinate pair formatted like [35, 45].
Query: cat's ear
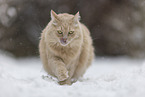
[76, 18]
[54, 17]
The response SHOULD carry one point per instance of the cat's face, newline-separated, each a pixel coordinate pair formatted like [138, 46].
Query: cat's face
[65, 36]
[66, 27]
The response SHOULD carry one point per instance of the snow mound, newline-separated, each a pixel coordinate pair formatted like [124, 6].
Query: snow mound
[107, 77]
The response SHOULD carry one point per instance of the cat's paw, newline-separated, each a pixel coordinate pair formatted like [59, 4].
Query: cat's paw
[66, 82]
[62, 74]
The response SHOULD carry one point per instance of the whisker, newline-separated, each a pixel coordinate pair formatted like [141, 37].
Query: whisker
[95, 38]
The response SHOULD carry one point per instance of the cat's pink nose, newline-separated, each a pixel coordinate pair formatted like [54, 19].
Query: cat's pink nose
[65, 39]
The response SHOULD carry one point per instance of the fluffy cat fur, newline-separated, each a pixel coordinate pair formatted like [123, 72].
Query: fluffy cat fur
[66, 48]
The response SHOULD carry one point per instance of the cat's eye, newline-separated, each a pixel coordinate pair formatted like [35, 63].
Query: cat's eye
[59, 32]
[70, 32]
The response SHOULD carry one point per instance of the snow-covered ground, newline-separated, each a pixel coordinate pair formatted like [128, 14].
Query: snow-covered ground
[107, 77]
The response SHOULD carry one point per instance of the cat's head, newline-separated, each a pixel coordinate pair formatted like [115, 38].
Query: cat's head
[66, 27]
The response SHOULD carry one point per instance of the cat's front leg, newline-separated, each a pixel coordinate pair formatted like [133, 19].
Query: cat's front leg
[61, 72]
[68, 81]
[58, 68]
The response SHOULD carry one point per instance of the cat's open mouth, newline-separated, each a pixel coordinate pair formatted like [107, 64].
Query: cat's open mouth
[63, 42]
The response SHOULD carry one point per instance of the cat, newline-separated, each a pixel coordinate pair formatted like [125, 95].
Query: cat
[66, 48]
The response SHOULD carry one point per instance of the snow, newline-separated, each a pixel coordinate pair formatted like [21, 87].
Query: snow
[107, 77]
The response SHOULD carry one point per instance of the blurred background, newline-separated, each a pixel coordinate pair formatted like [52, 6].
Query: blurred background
[117, 26]
[118, 31]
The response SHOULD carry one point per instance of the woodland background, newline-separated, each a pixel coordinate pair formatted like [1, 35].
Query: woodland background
[117, 26]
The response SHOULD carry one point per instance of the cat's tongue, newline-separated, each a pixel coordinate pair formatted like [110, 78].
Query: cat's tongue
[63, 41]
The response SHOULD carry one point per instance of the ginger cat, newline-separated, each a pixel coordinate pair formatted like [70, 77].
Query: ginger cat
[66, 48]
